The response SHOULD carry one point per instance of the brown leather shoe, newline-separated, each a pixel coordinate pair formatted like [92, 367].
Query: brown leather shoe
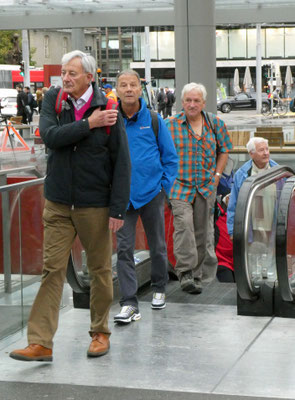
[33, 352]
[99, 346]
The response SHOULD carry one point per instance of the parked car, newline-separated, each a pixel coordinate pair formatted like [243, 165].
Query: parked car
[8, 106]
[242, 101]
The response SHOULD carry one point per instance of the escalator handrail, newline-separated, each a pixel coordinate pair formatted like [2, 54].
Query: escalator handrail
[240, 242]
[74, 279]
[281, 241]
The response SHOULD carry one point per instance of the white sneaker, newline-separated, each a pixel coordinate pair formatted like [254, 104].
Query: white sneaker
[158, 301]
[127, 314]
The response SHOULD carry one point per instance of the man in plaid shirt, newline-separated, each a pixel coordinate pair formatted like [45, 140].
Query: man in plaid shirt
[202, 156]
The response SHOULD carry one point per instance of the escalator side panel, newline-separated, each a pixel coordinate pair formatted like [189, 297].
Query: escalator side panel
[263, 306]
[284, 240]
[254, 248]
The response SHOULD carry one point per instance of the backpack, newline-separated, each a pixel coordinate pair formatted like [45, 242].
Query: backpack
[62, 98]
[227, 177]
[34, 103]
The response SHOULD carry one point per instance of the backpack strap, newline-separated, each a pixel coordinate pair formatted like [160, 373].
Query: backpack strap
[111, 105]
[60, 99]
[155, 123]
[212, 126]
[209, 117]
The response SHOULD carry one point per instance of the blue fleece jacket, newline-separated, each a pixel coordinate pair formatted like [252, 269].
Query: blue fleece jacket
[154, 161]
[240, 176]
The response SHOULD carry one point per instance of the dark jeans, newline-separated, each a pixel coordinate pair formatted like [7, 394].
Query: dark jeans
[161, 109]
[168, 111]
[152, 216]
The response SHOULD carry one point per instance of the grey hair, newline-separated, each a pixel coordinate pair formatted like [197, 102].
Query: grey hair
[88, 62]
[127, 72]
[194, 86]
[251, 145]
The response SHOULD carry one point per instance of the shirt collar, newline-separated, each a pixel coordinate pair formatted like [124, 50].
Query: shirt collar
[83, 99]
[183, 118]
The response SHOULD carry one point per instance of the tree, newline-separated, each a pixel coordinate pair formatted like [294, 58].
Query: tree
[9, 47]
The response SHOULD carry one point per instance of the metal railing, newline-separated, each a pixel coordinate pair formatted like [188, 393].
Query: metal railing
[5, 189]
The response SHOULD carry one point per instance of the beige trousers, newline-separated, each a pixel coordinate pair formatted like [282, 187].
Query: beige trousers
[193, 237]
[61, 225]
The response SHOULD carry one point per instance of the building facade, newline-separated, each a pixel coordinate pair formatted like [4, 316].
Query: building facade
[120, 48]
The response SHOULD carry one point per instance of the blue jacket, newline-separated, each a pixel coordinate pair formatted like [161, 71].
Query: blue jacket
[240, 176]
[154, 162]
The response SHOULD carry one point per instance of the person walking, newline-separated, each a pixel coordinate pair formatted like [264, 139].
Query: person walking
[161, 99]
[87, 190]
[203, 153]
[22, 102]
[154, 168]
[169, 103]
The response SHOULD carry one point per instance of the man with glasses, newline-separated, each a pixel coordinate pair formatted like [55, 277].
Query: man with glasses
[87, 191]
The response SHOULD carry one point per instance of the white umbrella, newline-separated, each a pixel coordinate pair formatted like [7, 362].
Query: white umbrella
[278, 77]
[237, 88]
[289, 80]
[247, 80]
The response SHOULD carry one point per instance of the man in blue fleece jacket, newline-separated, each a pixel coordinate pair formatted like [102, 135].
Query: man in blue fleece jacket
[260, 161]
[154, 165]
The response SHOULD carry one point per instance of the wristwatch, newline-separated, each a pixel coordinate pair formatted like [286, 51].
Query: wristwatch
[218, 174]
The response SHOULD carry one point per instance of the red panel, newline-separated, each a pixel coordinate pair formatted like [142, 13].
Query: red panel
[51, 70]
[35, 76]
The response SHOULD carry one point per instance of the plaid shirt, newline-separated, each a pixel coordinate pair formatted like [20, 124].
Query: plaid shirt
[197, 156]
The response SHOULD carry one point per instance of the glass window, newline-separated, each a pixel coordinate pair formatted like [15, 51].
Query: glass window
[237, 43]
[221, 43]
[113, 44]
[242, 96]
[274, 42]
[251, 43]
[289, 42]
[137, 46]
[153, 46]
[103, 43]
[166, 46]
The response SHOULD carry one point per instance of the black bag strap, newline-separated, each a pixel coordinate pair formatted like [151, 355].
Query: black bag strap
[228, 169]
[209, 117]
[155, 123]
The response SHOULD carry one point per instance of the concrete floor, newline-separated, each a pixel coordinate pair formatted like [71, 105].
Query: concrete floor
[193, 349]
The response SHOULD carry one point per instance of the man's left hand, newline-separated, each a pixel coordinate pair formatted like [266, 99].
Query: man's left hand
[115, 224]
[216, 181]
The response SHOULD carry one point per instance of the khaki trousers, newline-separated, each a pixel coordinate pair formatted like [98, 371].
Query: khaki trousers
[193, 236]
[61, 225]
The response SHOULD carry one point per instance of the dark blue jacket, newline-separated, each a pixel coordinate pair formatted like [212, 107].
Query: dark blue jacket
[86, 168]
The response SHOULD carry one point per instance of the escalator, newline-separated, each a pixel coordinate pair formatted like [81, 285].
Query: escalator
[79, 279]
[261, 207]
[263, 249]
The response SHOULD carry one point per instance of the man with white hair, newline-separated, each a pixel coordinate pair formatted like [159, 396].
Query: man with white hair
[202, 149]
[86, 194]
[260, 161]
